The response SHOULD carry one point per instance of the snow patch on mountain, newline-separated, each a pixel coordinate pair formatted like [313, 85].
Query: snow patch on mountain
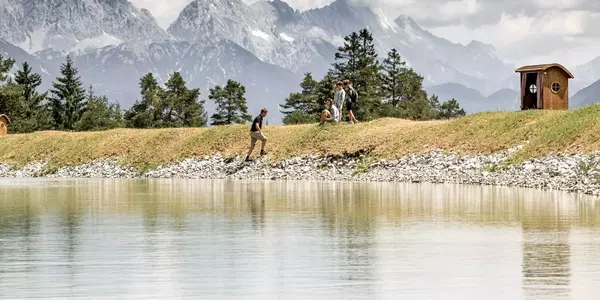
[34, 41]
[261, 34]
[98, 42]
[286, 37]
[384, 21]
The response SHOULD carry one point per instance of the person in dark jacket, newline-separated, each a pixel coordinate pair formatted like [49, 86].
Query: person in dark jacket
[352, 97]
[256, 134]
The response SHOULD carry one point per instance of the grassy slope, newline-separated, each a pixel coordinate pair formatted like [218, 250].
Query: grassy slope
[569, 132]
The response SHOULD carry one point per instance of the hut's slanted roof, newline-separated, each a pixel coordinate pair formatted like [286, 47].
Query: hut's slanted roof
[5, 116]
[543, 67]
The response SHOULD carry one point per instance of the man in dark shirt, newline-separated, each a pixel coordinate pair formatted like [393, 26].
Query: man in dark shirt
[257, 135]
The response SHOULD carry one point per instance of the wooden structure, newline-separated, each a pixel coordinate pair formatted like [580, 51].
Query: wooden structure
[544, 86]
[4, 125]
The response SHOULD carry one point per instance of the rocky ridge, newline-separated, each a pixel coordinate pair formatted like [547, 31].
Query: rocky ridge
[579, 174]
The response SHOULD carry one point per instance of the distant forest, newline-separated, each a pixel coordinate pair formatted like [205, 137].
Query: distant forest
[386, 89]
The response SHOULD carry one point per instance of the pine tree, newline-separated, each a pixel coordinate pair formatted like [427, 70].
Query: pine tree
[434, 104]
[231, 104]
[346, 65]
[412, 86]
[68, 97]
[5, 66]
[451, 109]
[326, 89]
[99, 114]
[174, 90]
[303, 107]
[147, 112]
[35, 111]
[368, 80]
[403, 87]
[357, 61]
[30, 81]
[11, 94]
[184, 103]
[11, 100]
[391, 83]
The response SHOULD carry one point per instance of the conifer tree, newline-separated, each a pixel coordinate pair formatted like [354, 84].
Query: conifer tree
[434, 103]
[346, 65]
[326, 88]
[10, 93]
[99, 114]
[174, 90]
[412, 86]
[11, 99]
[35, 114]
[147, 112]
[174, 106]
[367, 81]
[230, 103]
[302, 107]
[68, 97]
[184, 103]
[5, 65]
[30, 82]
[451, 109]
[391, 84]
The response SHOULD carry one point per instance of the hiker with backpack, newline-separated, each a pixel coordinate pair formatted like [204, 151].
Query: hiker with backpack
[352, 99]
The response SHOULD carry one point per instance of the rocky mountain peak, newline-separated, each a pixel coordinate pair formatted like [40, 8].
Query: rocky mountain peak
[477, 45]
[407, 22]
[74, 25]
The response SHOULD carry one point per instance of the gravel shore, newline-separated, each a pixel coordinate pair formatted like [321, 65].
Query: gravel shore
[579, 174]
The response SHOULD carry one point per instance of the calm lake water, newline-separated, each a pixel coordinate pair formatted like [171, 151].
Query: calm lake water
[194, 239]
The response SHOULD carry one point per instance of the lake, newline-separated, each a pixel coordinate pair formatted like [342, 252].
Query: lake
[211, 239]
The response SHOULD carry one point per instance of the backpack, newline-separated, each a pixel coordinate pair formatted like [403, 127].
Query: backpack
[353, 95]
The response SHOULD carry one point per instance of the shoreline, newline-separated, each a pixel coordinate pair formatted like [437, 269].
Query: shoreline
[573, 173]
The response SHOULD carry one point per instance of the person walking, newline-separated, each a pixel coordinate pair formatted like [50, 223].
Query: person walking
[352, 99]
[256, 134]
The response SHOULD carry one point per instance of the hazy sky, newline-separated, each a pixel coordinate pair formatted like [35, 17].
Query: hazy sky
[523, 31]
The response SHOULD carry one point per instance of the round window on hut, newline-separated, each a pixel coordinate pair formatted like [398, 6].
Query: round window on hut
[555, 87]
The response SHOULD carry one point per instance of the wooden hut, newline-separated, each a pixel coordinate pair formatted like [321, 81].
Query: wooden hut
[4, 125]
[544, 86]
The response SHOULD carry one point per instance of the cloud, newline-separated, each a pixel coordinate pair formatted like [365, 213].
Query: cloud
[521, 30]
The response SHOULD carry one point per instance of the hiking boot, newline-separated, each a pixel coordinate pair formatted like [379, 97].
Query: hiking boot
[263, 153]
[248, 159]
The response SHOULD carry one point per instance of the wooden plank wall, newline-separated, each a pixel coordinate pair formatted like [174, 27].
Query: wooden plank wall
[559, 100]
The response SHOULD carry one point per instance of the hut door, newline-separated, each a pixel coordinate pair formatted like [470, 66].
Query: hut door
[529, 100]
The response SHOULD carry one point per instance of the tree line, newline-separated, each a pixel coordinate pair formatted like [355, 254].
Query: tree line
[390, 89]
[69, 106]
[387, 89]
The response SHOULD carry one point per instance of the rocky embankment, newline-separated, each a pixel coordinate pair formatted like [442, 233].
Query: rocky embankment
[578, 174]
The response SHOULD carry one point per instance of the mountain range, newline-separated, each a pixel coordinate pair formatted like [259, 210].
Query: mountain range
[267, 46]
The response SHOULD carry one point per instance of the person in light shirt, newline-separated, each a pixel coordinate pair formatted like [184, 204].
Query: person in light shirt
[332, 115]
[340, 96]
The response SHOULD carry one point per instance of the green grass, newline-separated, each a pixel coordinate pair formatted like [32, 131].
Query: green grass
[541, 133]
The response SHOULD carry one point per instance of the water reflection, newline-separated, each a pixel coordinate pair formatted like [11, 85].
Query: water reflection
[157, 239]
[546, 261]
